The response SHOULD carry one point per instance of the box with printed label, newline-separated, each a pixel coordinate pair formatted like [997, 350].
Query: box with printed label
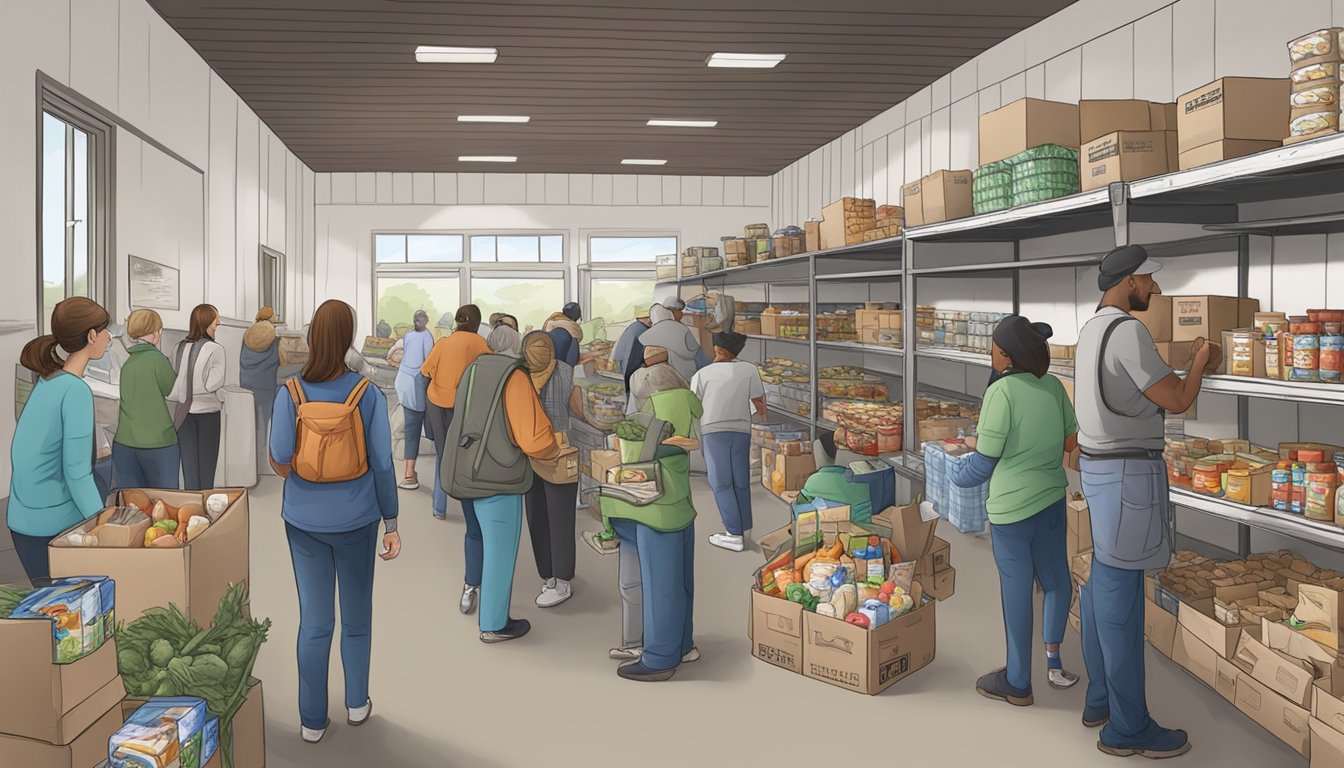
[1225, 679]
[1098, 117]
[1024, 124]
[868, 660]
[1195, 317]
[1124, 156]
[1233, 108]
[776, 631]
[1287, 721]
[1293, 679]
[947, 196]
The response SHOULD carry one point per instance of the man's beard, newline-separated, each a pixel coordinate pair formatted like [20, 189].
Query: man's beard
[1138, 303]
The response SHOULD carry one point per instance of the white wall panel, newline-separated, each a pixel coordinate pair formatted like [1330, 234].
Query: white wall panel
[940, 148]
[505, 189]
[848, 165]
[249, 188]
[94, 34]
[602, 189]
[382, 188]
[275, 192]
[403, 189]
[1193, 32]
[919, 105]
[624, 190]
[692, 190]
[179, 96]
[222, 192]
[1299, 277]
[322, 189]
[1005, 59]
[536, 188]
[965, 80]
[1011, 89]
[895, 165]
[422, 188]
[1245, 26]
[1035, 82]
[964, 130]
[1063, 77]
[880, 160]
[445, 188]
[343, 188]
[649, 191]
[470, 188]
[133, 57]
[581, 189]
[712, 193]
[366, 188]
[926, 145]
[1107, 69]
[557, 189]
[914, 151]
[756, 191]
[941, 92]
[865, 172]
[1152, 57]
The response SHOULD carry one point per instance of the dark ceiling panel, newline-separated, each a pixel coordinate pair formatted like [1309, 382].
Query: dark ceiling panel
[337, 80]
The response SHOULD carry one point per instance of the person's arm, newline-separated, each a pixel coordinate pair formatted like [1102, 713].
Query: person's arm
[757, 391]
[379, 446]
[77, 449]
[432, 360]
[1131, 345]
[528, 423]
[213, 375]
[995, 419]
[1174, 394]
[576, 404]
[1070, 429]
[971, 471]
[282, 432]
[164, 375]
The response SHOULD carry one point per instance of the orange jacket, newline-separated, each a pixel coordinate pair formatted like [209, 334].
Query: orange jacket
[447, 361]
[528, 423]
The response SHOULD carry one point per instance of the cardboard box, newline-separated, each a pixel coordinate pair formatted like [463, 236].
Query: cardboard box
[776, 631]
[947, 196]
[249, 729]
[1327, 704]
[59, 701]
[1213, 633]
[941, 552]
[1195, 657]
[796, 470]
[602, 462]
[1225, 680]
[193, 577]
[1320, 608]
[912, 199]
[844, 221]
[561, 470]
[1157, 318]
[1235, 108]
[1028, 123]
[1080, 528]
[1194, 317]
[1124, 156]
[1292, 679]
[1160, 628]
[812, 234]
[943, 584]
[89, 748]
[1177, 354]
[868, 660]
[1218, 151]
[911, 534]
[1098, 117]
[1287, 721]
[771, 323]
[1327, 746]
[1080, 567]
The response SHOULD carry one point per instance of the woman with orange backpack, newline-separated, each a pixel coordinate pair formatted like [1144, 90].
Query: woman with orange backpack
[332, 442]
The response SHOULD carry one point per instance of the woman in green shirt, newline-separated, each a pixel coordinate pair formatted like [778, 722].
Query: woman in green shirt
[144, 450]
[1026, 429]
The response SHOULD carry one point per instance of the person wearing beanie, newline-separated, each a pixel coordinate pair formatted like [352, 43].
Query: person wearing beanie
[1123, 388]
[573, 311]
[626, 352]
[259, 373]
[565, 333]
[653, 376]
[1027, 428]
[679, 340]
[729, 389]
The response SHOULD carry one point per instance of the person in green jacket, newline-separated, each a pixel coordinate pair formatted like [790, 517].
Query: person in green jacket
[659, 538]
[51, 485]
[144, 450]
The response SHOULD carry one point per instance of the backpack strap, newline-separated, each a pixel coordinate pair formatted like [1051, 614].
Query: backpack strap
[356, 394]
[652, 440]
[514, 365]
[295, 391]
[1101, 366]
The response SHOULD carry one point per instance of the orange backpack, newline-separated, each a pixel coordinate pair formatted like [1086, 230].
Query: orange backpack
[329, 444]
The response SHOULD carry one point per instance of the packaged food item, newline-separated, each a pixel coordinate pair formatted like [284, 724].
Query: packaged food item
[1299, 496]
[1281, 485]
[1273, 364]
[1319, 501]
[1339, 489]
[165, 731]
[1314, 123]
[1306, 357]
[80, 609]
[1318, 96]
[1315, 74]
[1320, 44]
[1332, 358]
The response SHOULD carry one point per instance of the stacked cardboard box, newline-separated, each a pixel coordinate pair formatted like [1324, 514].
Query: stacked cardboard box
[890, 221]
[736, 252]
[812, 235]
[1315, 84]
[1028, 153]
[1025, 124]
[1125, 140]
[1079, 551]
[879, 323]
[940, 196]
[789, 241]
[1231, 117]
[844, 221]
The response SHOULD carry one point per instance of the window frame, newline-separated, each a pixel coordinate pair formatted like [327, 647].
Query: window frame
[586, 259]
[277, 302]
[75, 111]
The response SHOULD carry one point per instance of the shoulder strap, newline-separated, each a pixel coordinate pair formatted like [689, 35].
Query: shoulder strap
[653, 438]
[191, 372]
[1101, 363]
[512, 365]
[357, 393]
[295, 391]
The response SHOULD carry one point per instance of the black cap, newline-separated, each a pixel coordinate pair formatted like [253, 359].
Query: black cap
[1123, 262]
[572, 311]
[733, 342]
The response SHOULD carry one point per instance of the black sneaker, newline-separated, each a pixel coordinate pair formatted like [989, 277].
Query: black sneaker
[1095, 718]
[515, 629]
[636, 670]
[995, 686]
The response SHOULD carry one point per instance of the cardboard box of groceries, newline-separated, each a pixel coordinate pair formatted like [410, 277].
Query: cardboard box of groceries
[89, 748]
[869, 660]
[1098, 117]
[1233, 109]
[1124, 156]
[59, 701]
[1027, 123]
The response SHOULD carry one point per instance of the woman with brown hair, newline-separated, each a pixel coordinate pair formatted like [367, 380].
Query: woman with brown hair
[447, 361]
[199, 362]
[332, 525]
[51, 485]
[144, 450]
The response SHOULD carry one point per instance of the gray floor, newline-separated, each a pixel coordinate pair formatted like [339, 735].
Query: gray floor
[442, 698]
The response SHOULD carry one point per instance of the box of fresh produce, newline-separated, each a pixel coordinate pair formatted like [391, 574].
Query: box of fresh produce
[841, 372]
[164, 653]
[865, 387]
[79, 610]
[164, 731]
[604, 403]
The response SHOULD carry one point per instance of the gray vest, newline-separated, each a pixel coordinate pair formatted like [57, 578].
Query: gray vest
[481, 458]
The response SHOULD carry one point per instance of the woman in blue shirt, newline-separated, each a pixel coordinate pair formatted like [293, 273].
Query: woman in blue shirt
[51, 485]
[411, 388]
[333, 527]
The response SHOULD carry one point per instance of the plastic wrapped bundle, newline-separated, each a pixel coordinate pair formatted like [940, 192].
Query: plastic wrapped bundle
[936, 481]
[993, 188]
[1044, 173]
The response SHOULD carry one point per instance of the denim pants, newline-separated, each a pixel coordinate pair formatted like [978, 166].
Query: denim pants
[728, 460]
[1112, 609]
[33, 556]
[667, 573]
[631, 585]
[413, 425]
[473, 545]
[438, 419]
[263, 404]
[320, 561]
[1032, 550]
[198, 441]
[145, 467]
[501, 520]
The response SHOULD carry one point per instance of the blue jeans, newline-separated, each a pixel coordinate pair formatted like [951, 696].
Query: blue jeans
[320, 561]
[438, 420]
[145, 467]
[667, 571]
[414, 425]
[1032, 549]
[1112, 612]
[501, 521]
[728, 460]
[473, 544]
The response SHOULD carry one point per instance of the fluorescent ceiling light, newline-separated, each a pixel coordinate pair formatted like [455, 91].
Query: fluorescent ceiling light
[643, 162]
[746, 60]
[438, 54]
[493, 118]
[683, 123]
[487, 159]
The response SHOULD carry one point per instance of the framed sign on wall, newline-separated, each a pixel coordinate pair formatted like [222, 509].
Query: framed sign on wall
[152, 285]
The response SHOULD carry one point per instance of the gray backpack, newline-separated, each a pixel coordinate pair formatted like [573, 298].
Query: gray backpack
[481, 458]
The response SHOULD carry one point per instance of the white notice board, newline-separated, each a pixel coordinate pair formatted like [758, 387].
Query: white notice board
[153, 285]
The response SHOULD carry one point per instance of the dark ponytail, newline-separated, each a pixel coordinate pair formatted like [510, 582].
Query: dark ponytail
[1025, 344]
[71, 321]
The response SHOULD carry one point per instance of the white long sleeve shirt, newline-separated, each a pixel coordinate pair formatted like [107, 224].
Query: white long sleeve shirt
[207, 379]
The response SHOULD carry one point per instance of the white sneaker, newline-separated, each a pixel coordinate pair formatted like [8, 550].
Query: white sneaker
[313, 735]
[691, 655]
[359, 715]
[409, 484]
[727, 541]
[626, 653]
[1060, 678]
[554, 592]
[469, 596]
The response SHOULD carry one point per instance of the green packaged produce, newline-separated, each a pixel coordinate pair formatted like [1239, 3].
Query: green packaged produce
[1045, 165]
[1043, 152]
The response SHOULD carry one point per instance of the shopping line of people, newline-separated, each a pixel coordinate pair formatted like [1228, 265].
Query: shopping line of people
[499, 401]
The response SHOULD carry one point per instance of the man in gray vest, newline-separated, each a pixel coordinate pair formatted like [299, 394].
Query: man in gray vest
[1123, 389]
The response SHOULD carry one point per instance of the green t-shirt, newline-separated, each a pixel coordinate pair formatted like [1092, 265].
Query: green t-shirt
[1023, 423]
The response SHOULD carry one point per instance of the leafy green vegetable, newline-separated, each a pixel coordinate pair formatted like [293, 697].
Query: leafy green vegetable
[10, 597]
[161, 653]
[632, 430]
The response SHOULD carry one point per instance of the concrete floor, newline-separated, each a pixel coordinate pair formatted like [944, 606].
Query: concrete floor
[441, 697]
